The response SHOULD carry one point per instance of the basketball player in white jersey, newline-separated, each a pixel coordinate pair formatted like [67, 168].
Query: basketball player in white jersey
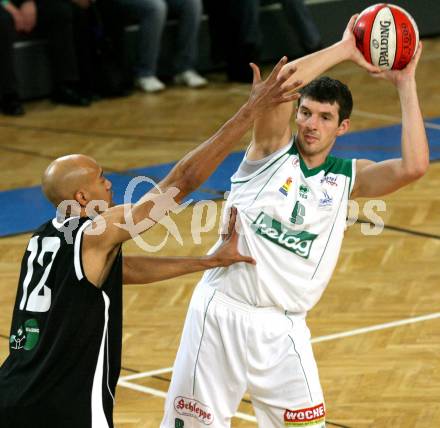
[245, 328]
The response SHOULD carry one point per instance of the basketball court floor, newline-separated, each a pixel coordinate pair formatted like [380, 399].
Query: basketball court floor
[376, 331]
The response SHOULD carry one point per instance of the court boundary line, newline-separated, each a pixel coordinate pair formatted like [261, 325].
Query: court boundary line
[390, 118]
[377, 327]
[390, 227]
[161, 394]
[124, 380]
[146, 374]
[319, 339]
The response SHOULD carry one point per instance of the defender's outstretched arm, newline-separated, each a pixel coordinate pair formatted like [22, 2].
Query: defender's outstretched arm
[191, 171]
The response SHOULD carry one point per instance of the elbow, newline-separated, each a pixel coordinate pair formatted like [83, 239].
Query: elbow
[417, 171]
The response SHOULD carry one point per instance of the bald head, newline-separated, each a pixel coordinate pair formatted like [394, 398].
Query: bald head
[67, 175]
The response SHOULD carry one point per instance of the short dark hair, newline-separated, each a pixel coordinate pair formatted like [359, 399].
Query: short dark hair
[328, 90]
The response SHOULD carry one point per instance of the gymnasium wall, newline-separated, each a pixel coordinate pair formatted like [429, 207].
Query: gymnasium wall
[331, 17]
[278, 38]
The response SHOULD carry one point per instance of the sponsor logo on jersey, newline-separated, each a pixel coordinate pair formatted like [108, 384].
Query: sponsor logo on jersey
[295, 162]
[284, 189]
[17, 340]
[304, 417]
[190, 407]
[326, 200]
[330, 179]
[26, 336]
[299, 243]
[303, 191]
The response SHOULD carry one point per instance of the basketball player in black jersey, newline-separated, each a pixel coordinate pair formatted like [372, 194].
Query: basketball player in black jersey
[65, 343]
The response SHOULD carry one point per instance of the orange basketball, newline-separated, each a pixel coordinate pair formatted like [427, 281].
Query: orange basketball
[387, 36]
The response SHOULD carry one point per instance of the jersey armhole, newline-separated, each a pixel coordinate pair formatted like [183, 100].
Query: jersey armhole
[79, 270]
[259, 165]
[353, 176]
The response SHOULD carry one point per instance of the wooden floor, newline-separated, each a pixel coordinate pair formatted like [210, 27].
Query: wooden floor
[389, 377]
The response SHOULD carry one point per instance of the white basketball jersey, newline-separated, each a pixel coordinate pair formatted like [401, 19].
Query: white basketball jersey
[291, 220]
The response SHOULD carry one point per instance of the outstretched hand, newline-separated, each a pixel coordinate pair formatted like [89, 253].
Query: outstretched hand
[272, 91]
[354, 53]
[17, 16]
[399, 77]
[227, 254]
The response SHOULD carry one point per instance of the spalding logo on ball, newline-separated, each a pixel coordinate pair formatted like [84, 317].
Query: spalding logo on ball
[387, 36]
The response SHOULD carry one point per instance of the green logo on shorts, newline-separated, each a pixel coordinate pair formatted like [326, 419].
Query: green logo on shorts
[26, 337]
[299, 243]
[178, 423]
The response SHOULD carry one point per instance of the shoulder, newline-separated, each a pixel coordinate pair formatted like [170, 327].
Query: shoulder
[68, 226]
[341, 166]
[345, 167]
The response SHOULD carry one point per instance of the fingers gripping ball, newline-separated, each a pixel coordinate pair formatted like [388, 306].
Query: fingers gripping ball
[387, 36]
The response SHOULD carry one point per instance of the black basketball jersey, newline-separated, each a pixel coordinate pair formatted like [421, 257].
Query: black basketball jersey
[66, 336]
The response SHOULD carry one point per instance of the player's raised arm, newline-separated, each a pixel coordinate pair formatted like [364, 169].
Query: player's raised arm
[272, 129]
[123, 222]
[377, 179]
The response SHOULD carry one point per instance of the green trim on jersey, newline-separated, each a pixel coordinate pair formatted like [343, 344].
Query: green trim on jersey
[340, 166]
[331, 164]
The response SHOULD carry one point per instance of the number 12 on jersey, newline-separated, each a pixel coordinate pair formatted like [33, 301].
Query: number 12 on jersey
[41, 296]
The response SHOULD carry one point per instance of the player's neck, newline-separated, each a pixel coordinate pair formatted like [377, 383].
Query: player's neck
[313, 160]
[64, 215]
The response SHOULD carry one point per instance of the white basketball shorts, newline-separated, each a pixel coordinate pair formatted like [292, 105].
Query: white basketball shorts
[228, 348]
